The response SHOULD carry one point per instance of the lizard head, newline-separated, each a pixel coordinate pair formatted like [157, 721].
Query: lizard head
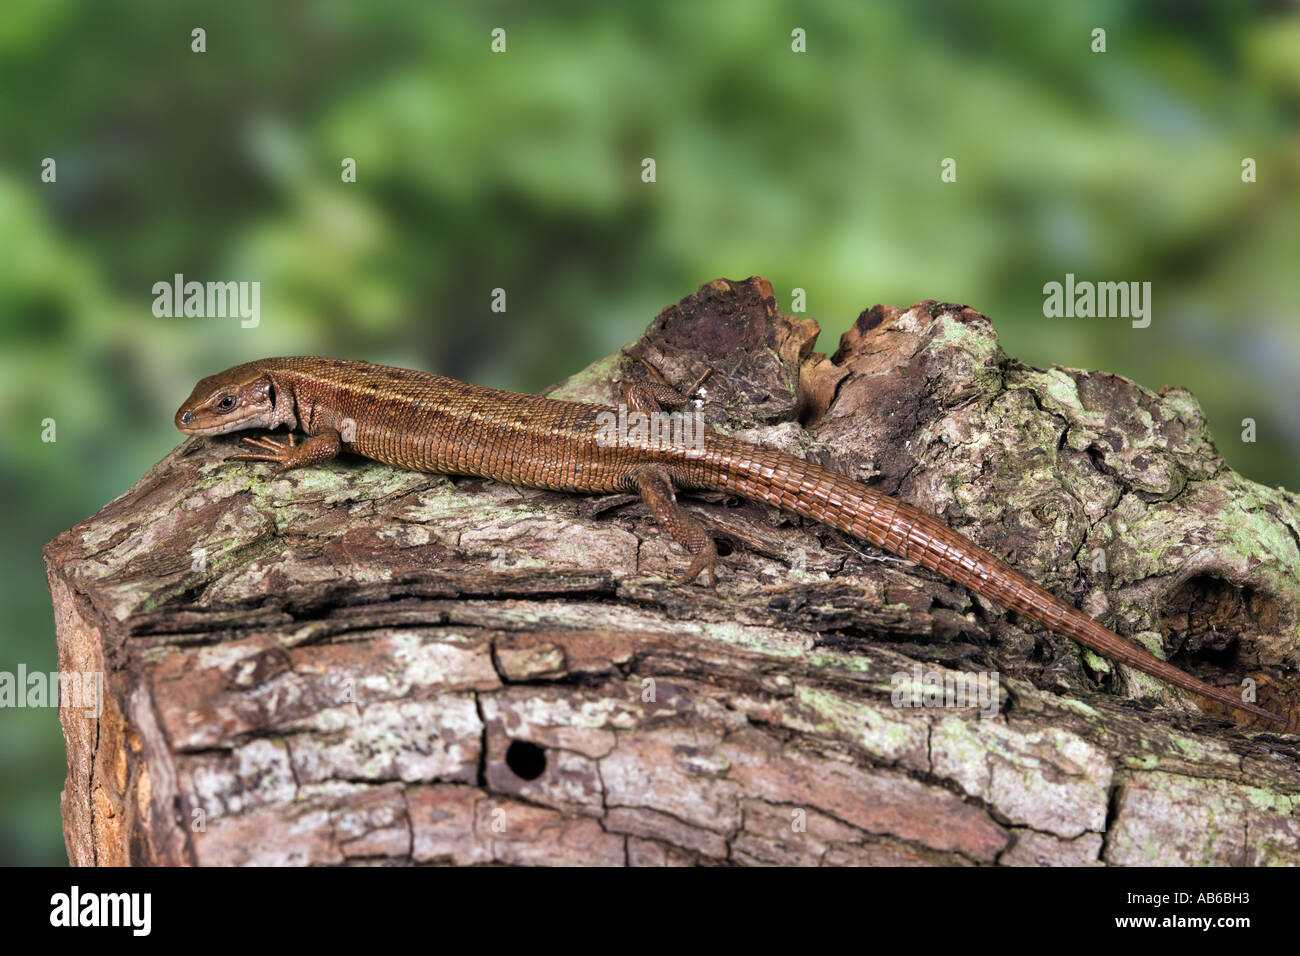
[238, 398]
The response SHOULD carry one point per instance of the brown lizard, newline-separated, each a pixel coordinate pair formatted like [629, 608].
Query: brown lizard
[430, 423]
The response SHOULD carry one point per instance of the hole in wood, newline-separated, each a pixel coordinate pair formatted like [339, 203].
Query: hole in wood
[526, 760]
[1209, 619]
[1212, 628]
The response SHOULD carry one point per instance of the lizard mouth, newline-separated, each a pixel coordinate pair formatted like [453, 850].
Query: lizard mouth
[193, 424]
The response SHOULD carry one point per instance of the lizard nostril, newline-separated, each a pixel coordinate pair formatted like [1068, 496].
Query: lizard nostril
[187, 417]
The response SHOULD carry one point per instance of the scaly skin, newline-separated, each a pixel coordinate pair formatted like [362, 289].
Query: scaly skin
[429, 423]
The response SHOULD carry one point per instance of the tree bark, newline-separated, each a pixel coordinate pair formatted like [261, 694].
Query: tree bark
[355, 664]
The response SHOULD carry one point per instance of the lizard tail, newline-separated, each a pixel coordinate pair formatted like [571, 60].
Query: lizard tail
[850, 506]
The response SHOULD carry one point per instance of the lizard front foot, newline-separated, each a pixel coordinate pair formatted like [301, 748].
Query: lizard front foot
[317, 448]
[280, 453]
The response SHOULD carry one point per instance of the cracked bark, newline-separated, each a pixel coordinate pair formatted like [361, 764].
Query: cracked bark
[331, 667]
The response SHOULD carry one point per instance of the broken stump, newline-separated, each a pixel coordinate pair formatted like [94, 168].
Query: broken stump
[355, 664]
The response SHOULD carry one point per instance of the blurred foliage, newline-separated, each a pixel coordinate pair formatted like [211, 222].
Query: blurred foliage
[522, 171]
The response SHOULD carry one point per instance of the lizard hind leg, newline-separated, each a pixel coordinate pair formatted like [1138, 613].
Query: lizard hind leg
[653, 397]
[655, 485]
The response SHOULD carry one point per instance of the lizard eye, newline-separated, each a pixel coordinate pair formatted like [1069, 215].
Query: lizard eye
[227, 402]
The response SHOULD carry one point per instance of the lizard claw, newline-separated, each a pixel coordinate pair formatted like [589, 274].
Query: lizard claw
[694, 390]
[704, 563]
[691, 574]
[270, 444]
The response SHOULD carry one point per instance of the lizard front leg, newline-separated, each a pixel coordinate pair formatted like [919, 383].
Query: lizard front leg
[655, 485]
[320, 447]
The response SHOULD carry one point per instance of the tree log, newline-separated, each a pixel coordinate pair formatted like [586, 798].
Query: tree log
[355, 664]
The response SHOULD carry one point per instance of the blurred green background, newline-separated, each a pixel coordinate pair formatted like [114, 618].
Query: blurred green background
[522, 170]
